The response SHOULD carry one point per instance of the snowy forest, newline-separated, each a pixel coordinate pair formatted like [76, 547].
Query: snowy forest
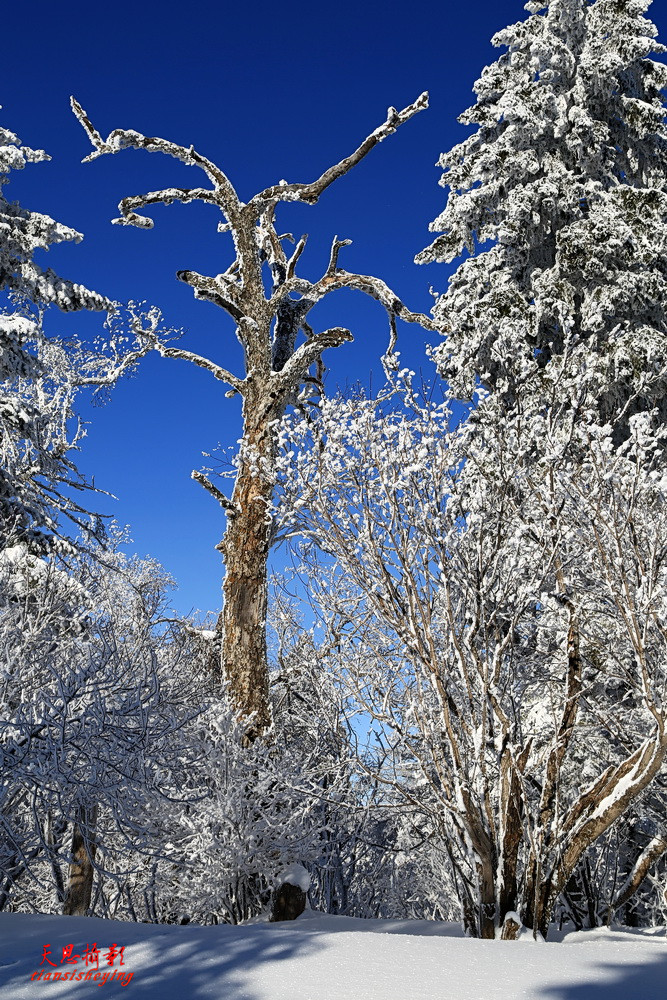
[453, 705]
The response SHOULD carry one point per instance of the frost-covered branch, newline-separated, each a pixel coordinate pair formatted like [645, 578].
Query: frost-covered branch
[653, 851]
[230, 509]
[307, 354]
[127, 138]
[499, 658]
[128, 206]
[310, 193]
[196, 359]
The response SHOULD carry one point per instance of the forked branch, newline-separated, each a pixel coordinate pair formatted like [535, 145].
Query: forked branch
[120, 138]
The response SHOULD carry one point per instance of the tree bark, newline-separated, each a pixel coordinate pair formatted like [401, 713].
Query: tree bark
[512, 837]
[81, 870]
[245, 548]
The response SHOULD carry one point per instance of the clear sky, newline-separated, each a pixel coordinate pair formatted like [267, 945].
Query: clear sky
[268, 91]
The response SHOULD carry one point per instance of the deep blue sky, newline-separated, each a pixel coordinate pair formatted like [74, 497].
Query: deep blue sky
[268, 91]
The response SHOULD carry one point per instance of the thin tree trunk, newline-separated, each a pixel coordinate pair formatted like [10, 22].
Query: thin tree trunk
[81, 870]
[511, 839]
[488, 909]
[486, 864]
[651, 853]
[54, 834]
[540, 894]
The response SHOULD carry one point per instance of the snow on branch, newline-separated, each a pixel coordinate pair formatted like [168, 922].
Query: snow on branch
[310, 193]
[651, 853]
[216, 370]
[602, 803]
[123, 138]
[128, 206]
[240, 289]
[230, 508]
[306, 355]
[221, 290]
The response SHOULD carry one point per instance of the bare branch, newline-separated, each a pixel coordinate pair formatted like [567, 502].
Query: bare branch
[306, 355]
[220, 290]
[165, 197]
[602, 803]
[95, 138]
[120, 138]
[335, 249]
[216, 370]
[389, 359]
[298, 250]
[377, 289]
[374, 287]
[230, 508]
[651, 853]
[311, 192]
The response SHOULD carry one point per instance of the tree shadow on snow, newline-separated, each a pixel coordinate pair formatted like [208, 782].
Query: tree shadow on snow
[231, 968]
[645, 981]
[194, 963]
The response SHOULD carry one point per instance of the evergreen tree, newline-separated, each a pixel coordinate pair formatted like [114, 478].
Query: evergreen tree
[558, 326]
[565, 179]
[35, 383]
[40, 377]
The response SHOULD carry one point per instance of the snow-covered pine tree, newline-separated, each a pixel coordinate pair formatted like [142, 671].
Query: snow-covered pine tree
[34, 409]
[39, 377]
[558, 199]
[39, 484]
[24, 232]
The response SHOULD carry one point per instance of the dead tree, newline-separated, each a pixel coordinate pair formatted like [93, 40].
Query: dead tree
[280, 348]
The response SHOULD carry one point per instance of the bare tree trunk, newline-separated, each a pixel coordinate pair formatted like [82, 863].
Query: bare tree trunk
[54, 833]
[81, 870]
[540, 894]
[486, 864]
[245, 547]
[487, 914]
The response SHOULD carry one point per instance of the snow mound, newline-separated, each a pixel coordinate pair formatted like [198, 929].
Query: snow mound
[295, 875]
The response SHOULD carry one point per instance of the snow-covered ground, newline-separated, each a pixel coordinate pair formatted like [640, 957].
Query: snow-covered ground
[323, 958]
